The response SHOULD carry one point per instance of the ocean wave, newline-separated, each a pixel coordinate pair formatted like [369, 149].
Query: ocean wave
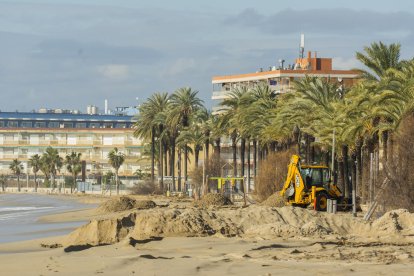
[7, 213]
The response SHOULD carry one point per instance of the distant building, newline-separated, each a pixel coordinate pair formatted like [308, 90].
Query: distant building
[24, 134]
[281, 77]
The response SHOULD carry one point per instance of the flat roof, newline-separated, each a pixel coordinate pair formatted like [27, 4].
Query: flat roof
[285, 73]
[64, 116]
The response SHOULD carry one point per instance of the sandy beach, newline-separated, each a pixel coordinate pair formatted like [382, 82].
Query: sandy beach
[180, 239]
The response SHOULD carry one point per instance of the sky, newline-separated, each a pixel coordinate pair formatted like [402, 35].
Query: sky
[73, 53]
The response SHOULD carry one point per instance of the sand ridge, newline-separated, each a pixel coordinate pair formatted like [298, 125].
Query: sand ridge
[253, 221]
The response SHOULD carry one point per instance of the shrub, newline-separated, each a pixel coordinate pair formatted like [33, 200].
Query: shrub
[272, 173]
[399, 168]
[146, 188]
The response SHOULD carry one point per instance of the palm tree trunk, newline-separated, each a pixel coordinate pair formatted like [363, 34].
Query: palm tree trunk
[259, 153]
[385, 145]
[179, 170]
[234, 148]
[346, 171]
[353, 171]
[196, 155]
[165, 159]
[254, 158]
[152, 154]
[160, 166]
[248, 165]
[35, 180]
[207, 149]
[185, 163]
[242, 155]
[74, 183]
[340, 181]
[359, 172]
[217, 147]
[117, 182]
[53, 181]
[18, 183]
[307, 148]
[327, 159]
[172, 162]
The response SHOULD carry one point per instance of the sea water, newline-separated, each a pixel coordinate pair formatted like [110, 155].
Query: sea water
[20, 213]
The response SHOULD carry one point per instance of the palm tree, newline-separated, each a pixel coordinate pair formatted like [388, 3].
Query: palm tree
[184, 103]
[116, 159]
[379, 58]
[74, 166]
[230, 108]
[217, 130]
[44, 167]
[16, 167]
[35, 163]
[52, 163]
[147, 122]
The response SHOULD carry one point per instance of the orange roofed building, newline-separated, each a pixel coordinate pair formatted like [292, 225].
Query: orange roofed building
[280, 78]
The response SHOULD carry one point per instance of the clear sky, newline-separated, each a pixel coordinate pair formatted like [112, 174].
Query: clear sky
[71, 53]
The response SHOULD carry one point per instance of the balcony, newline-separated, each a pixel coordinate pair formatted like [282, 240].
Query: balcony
[220, 95]
[280, 89]
[10, 143]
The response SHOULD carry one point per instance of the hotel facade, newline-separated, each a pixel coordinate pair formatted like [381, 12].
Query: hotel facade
[23, 135]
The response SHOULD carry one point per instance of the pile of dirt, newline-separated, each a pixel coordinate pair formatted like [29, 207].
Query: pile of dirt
[101, 232]
[145, 204]
[251, 222]
[117, 204]
[212, 200]
[275, 200]
[394, 222]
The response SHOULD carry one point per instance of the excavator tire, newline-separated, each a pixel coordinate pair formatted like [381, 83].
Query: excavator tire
[321, 201]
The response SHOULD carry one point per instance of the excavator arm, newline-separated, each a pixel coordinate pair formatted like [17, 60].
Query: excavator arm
[293, 170]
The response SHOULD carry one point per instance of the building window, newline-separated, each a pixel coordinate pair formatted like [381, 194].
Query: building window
[40, 125]
[80, 125]
[108, 125]
[2, 124]
[67, 125]
[120, 125]
[94, 125]
[12, 124]
[26, 124]
[54, 125]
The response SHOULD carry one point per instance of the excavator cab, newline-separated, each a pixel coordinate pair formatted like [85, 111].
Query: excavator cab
[316, 176]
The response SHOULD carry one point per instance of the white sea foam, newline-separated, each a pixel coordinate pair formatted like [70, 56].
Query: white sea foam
[7, 213]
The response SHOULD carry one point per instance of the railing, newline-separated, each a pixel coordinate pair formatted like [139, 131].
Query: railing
[220, 95]
[10, 142]
[280, 89]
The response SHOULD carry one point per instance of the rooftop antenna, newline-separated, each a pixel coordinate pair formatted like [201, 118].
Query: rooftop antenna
[302, 46]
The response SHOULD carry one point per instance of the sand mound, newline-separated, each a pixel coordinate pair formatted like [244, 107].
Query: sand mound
[118, 204]
[101, 232]
[145, 204]
[212, 200]
[275, 200]
[395, 222]
[253, 221]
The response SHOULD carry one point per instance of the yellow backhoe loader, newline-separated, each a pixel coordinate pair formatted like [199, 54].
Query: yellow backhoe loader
[309, 184]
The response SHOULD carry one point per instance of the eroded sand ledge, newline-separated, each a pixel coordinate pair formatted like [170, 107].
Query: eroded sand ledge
[178, 238]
